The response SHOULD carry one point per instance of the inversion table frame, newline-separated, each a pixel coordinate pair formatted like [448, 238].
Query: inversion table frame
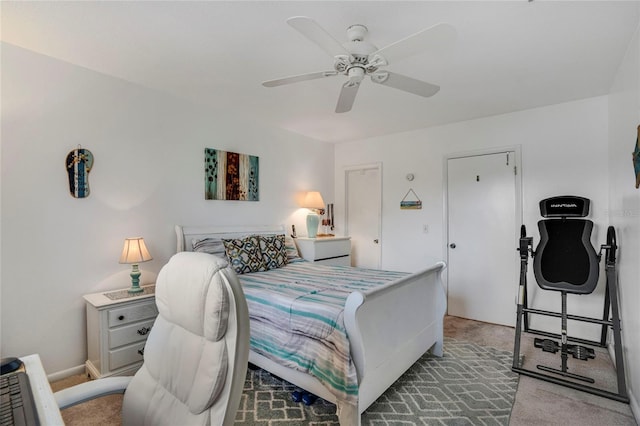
[610, 304]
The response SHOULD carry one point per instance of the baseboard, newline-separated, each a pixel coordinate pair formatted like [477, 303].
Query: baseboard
[59, 375]
[635, 408]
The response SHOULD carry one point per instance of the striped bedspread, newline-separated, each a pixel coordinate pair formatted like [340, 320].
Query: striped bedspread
[296, 315]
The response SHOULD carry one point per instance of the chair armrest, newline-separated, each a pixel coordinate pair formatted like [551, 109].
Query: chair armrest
[91, 390]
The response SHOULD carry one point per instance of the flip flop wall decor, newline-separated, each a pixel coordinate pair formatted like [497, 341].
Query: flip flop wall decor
[79, 163]
[636, 159]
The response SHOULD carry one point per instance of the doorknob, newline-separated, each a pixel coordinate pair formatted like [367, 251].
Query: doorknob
[452, 245]
[376, 241]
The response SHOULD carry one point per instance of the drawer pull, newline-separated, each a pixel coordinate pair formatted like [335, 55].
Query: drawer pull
[121, 317]
[141, 351]
[144, 330]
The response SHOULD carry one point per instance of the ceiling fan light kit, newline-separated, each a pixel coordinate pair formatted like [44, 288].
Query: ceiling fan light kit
[358, 58]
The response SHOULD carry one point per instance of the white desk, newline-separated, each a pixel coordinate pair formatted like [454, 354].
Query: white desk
[46, 405]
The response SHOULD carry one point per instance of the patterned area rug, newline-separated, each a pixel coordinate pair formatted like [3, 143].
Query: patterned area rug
[469, 385]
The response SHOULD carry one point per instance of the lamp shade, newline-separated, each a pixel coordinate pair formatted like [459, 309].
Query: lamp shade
[313, 200]
[134, 251]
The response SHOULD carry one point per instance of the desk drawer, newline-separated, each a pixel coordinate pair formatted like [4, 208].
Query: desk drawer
[133, 313]
[129, 334]
[128, 355]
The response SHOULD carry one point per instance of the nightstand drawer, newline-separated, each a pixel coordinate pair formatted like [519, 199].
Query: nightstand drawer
[129, 334]
[128, 355]
[336, 261]
[132, 313]
[335, 248]
[321, 249]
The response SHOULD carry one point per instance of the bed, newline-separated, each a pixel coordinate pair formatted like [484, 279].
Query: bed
[381, 322]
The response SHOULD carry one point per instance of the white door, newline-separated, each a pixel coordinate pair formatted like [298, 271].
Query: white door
[363, 186]
[482, 237]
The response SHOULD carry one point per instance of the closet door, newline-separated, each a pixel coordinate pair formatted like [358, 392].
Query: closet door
[482, 238]
[363, 187]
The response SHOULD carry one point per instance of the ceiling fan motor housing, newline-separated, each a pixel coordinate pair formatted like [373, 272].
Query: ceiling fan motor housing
[358, 48]
[357, 32]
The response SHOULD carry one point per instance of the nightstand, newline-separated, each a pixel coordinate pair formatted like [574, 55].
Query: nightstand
[117, 328]
[326, 250]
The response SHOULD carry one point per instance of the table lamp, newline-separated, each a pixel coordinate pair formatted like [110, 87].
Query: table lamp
[313, 201]
[134, 252]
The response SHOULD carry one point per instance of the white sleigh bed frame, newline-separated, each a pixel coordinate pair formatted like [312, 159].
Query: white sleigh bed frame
[389, 328]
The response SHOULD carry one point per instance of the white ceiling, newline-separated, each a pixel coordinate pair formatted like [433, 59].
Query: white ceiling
[509, 55]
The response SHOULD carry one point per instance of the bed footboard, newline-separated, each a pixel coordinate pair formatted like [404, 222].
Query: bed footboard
[391, 327]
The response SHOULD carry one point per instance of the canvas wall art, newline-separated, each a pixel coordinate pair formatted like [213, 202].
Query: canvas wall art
[230, 176]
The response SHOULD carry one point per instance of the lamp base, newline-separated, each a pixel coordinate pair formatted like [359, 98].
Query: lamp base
[313, 220]
[135, 280]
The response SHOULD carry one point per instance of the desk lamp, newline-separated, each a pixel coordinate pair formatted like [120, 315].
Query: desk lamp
[314, 202]
[134, 252]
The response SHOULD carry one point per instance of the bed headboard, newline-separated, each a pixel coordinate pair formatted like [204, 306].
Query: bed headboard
[186, 234]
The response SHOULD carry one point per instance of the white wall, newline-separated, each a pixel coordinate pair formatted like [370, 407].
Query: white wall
[148, 176]
[564, 151]
[624, 206]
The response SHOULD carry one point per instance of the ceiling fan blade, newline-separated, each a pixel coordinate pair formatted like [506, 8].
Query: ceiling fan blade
[313, 31]
[439, 35]
[298, 78]
[347, 96]
[402, 82]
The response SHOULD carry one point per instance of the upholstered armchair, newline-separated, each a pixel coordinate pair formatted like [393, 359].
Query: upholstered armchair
[195, 359]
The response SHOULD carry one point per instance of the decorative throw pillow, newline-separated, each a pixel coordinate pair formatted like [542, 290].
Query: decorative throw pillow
[210, 245]
[244, 254]
[291, 249]
[273, 251]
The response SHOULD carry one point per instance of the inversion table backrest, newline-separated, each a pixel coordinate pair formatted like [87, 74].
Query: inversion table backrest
[565, 258]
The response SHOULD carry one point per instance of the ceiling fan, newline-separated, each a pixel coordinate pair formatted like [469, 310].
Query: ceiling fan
[358, 58]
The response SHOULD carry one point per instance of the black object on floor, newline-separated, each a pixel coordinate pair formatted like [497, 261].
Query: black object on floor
[565, 261]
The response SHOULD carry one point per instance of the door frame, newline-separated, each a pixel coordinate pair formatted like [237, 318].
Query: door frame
[517, 150]
[366, 166]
